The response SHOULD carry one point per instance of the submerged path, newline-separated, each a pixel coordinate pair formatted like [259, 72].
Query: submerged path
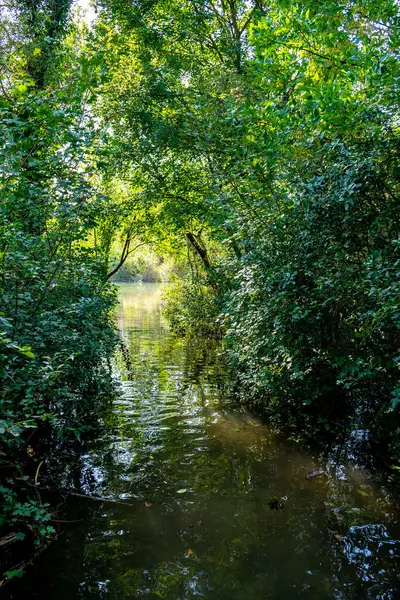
[203, 481]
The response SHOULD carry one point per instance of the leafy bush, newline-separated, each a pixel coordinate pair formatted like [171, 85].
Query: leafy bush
[190, 305]
[56, 331]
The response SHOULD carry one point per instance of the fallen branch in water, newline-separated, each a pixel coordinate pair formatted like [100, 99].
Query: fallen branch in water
[101, 499]
[8, 539]
[59, 521]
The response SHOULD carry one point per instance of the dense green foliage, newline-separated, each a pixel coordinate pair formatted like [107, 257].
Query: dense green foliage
[55, 303]
[266, 138]
[191, 306]
[258, 144]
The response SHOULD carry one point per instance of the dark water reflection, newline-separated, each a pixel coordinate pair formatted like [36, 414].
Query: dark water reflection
[197, 475]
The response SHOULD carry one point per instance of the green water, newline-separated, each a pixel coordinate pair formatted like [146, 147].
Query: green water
[194, 475]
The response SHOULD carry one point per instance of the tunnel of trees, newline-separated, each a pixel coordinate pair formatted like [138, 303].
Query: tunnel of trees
[254, 144]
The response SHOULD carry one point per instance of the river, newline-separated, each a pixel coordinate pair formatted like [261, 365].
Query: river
[203, 499]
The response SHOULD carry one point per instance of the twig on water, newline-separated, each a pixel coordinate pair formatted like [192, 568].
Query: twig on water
[101, 499]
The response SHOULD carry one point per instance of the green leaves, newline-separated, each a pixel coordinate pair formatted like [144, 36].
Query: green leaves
[14, 573]
[55, 320]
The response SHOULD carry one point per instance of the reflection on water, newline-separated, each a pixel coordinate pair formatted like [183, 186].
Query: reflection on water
[194, 476]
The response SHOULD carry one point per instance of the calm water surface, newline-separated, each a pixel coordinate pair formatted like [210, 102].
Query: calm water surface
[194, 475]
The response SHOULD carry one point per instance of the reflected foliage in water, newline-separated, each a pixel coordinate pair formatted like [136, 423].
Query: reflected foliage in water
[199, 478]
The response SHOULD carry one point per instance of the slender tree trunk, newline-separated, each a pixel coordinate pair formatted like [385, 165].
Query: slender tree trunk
[199, 247]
